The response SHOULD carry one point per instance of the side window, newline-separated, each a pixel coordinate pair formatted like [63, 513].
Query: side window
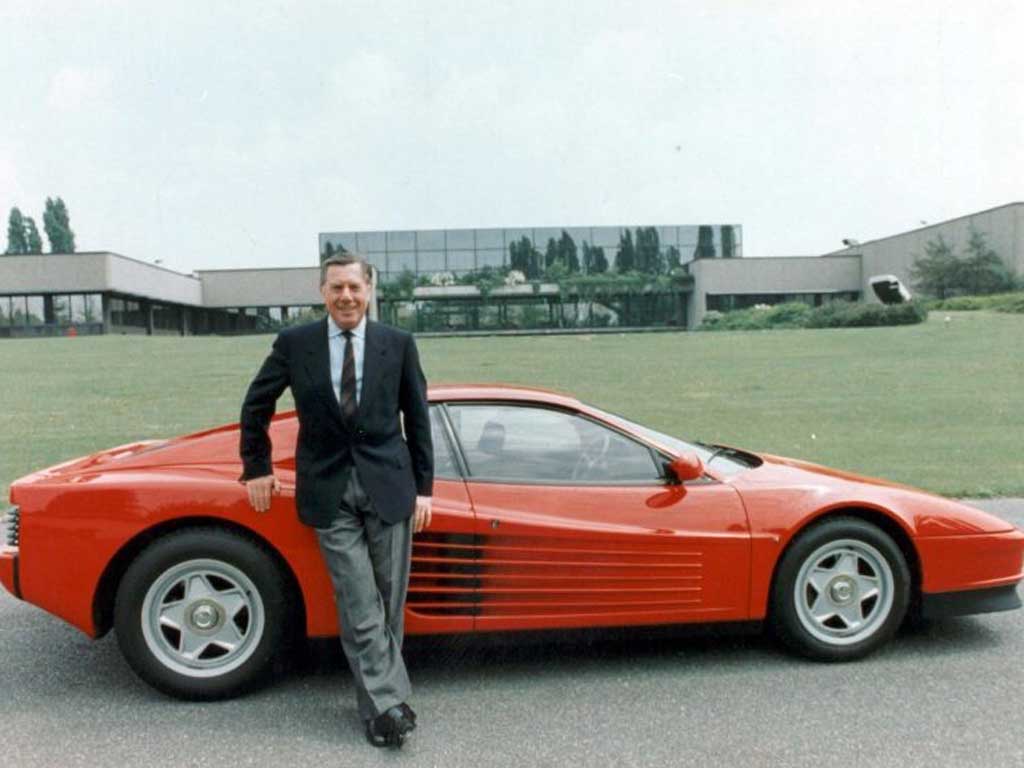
[444, 464]
[541, 445]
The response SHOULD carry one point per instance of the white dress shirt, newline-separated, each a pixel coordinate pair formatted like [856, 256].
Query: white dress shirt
[336, 343]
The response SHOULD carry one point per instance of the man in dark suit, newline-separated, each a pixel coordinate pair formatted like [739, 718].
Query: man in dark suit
[358, 483]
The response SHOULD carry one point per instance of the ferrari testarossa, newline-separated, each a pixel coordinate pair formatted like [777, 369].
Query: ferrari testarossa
[548, 513]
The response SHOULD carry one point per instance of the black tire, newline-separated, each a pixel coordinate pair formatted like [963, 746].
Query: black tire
[226, 596]
[823, 588]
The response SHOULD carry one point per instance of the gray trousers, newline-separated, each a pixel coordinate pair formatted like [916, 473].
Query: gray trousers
[369, 565]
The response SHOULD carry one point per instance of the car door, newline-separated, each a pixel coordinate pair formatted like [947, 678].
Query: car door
[442, 587]
[576, 526]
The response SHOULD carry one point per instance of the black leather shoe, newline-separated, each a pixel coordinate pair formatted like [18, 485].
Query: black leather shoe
[409, 714]
[390, 728]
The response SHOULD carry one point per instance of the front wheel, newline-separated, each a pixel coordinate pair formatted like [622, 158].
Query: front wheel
[841, 591]
[200, 613]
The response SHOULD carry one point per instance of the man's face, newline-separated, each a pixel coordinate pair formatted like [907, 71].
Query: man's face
[345, 293]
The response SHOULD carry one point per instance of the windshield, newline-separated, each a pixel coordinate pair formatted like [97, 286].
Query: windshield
[725, 460]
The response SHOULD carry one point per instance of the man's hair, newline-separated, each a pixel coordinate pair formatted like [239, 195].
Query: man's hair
[343, 260]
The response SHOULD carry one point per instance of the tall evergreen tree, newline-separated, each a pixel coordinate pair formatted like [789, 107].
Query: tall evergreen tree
[648, 251]
[728, 242]
[33, 241]
[673, 257]
[567, 252]
[58, 227]
[16, 243]
[600, 260]
[551, 254]
[625, 259]
[705, 243]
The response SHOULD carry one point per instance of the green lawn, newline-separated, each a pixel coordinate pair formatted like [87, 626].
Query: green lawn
[937, 405]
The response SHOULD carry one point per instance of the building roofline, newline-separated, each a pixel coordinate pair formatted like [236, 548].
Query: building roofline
[256, 269]
[942, 223]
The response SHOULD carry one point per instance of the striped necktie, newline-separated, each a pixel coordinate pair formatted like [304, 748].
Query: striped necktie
[348, 381]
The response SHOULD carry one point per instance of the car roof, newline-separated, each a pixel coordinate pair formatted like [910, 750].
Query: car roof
[438, 393]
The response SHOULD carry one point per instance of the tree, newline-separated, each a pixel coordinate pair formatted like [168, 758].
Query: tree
[625, 259]
[524, 257]
[551, 255]
[567, 252]
[935, 273]
[599, 259]
[705, 243]
[328, 251]
[16, 243]
[648, 251]
[32, 238]
[673, 257]
[982, 271]
[58, 227]
[728, 242]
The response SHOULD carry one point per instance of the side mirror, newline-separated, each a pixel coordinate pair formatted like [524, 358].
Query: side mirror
[686, 467]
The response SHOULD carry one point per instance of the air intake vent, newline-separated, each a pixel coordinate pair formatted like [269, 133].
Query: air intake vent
[13, 521]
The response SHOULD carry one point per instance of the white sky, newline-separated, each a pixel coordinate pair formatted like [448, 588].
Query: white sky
[211, 137]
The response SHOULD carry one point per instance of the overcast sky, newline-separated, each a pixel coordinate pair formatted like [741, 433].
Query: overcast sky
[211, 137]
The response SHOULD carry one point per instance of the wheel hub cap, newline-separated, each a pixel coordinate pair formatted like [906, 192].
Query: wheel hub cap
[205, 616]
[842, 590]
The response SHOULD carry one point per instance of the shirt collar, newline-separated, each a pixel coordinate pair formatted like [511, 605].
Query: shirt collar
[358, 332]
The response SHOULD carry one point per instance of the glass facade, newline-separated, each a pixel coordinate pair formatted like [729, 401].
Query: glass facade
[462, 251]
[727, 302]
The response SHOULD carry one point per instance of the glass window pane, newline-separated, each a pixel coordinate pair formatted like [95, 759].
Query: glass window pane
[606, 236]
[430, 240]
[540, 445]
[398, 262]
[370, 241]
[5, 310]
[444, 463]
[541, 235]
[490, 238]
[460, 238]
[515, 235]
[668, 236]
[77, 308]
[494, 258]
[378, 261]
[461, 260]
[431, 261]
[401, 241]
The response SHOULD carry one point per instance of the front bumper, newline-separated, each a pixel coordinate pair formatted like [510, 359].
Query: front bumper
[9, 571]
[990, 600]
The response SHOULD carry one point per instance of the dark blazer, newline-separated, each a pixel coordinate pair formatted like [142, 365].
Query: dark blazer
[393, 470]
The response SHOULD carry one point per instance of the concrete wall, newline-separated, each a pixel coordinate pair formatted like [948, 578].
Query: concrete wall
[54, 273]
[261, 287]
[782, 274]
[1004, 233]
[94, 272]
[141, 279]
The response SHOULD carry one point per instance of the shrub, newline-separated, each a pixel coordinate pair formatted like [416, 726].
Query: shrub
[1000, 302]
[834, 314]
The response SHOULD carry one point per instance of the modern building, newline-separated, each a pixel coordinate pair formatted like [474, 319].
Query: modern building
[102, 292]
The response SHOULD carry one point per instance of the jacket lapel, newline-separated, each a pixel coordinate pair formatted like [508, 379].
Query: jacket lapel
[318, 365]
[374, 358]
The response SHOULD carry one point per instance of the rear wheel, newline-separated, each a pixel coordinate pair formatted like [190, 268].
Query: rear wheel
[200, 613]
[841, 591]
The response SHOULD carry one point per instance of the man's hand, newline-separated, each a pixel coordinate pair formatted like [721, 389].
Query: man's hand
[260, 489]
[421, 518]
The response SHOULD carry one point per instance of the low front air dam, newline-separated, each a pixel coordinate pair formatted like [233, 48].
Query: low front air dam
[9, 571]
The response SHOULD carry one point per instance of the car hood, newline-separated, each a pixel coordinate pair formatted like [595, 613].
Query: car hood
[788, 491]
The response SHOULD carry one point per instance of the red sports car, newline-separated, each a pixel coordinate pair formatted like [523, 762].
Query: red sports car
[548, 513]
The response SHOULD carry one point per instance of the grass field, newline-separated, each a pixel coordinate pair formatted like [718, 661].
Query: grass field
[938, 405]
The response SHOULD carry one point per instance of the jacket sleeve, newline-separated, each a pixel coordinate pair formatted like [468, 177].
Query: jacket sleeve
[412, 400]
[258, 408]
